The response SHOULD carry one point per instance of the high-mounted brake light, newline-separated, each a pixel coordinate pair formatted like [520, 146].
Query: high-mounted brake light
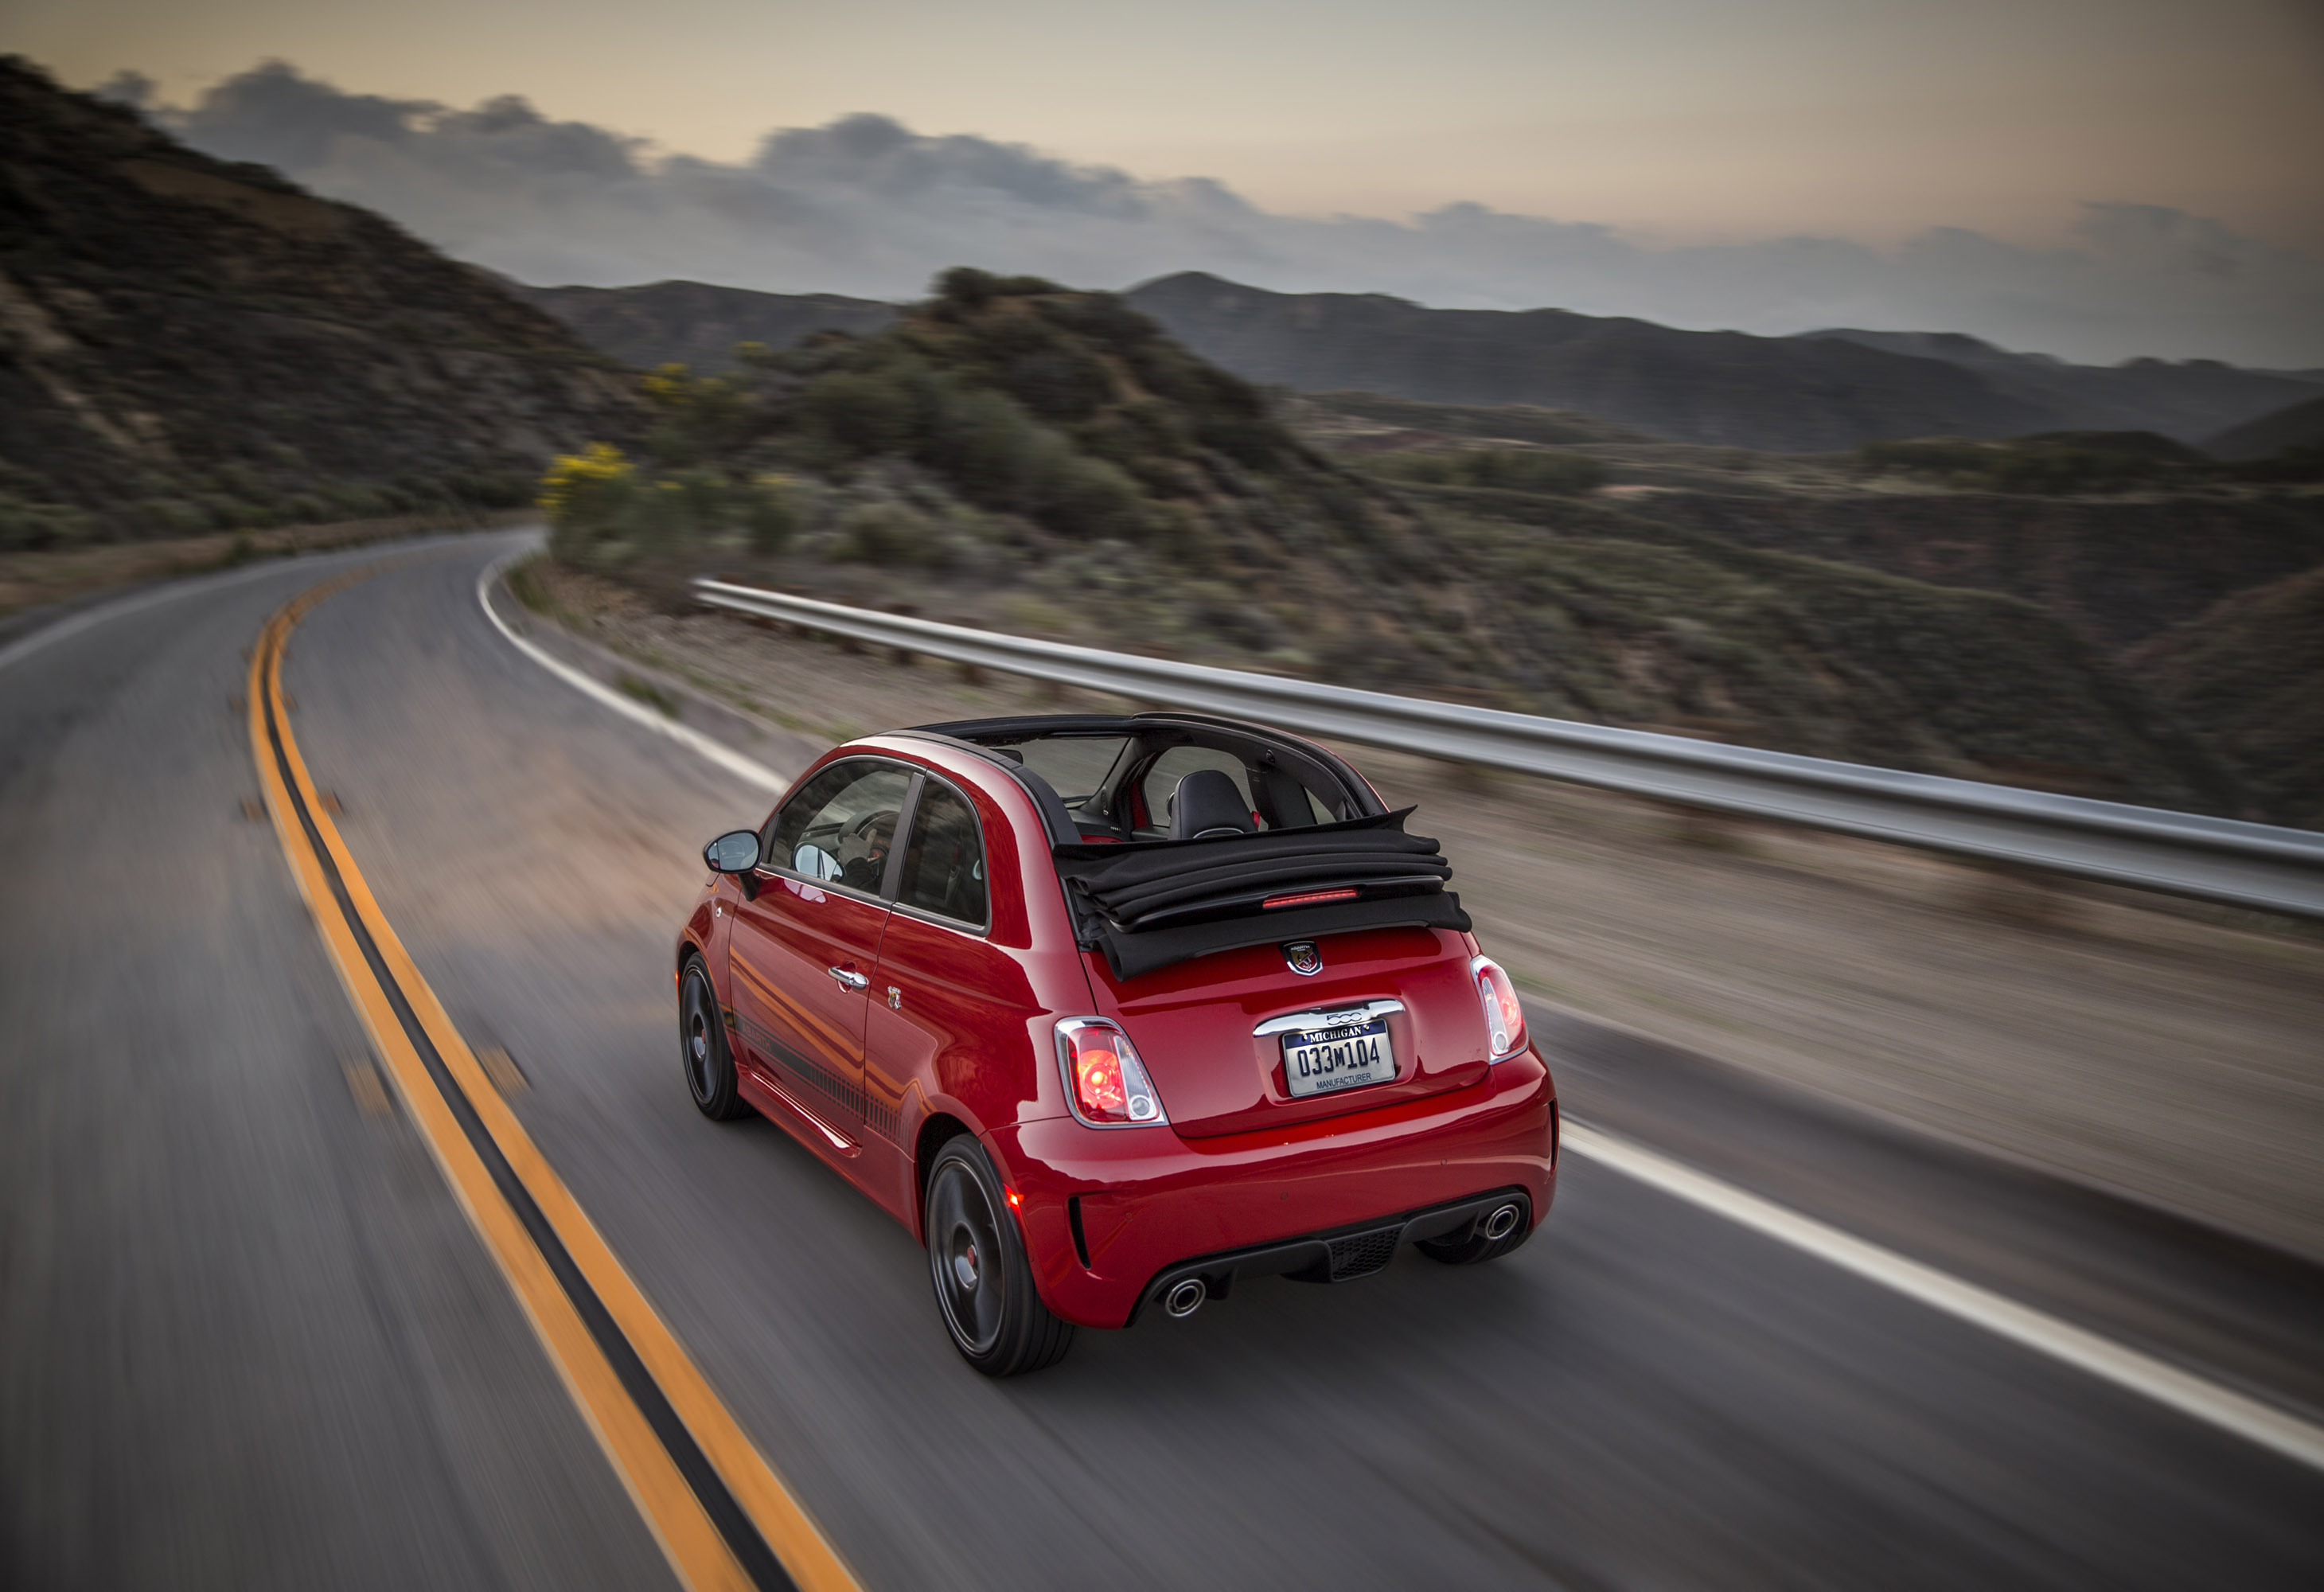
[1307, 899]
[1105, 1082]
[1504, 1016]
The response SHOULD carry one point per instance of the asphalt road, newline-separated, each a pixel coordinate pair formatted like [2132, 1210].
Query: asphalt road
[248, 1338]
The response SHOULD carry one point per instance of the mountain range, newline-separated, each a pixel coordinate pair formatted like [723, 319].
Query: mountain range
[1820, 391]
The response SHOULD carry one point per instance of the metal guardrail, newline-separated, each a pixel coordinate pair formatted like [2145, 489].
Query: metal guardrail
[2215, 859]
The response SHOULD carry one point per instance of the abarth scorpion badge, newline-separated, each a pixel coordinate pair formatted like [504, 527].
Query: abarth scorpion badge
[1305, 959]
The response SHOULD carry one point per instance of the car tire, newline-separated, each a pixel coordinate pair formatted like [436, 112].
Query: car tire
[702, 1049]
[976, 1262]
[1473, 1248]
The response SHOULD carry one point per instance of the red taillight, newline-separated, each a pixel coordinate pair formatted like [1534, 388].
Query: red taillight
[1504, 1016]
[1104, 1079]
[1309, 899]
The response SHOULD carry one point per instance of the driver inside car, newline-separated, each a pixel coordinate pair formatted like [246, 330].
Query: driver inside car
[863, 852]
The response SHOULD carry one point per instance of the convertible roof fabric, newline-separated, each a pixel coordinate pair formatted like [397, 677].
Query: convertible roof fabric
[1152, 904]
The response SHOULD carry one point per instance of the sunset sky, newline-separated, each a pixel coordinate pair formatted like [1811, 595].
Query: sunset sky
[1672, 124]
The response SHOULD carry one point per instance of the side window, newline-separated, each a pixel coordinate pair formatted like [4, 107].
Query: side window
[840, 824]
[944, 857]
[1161, 782]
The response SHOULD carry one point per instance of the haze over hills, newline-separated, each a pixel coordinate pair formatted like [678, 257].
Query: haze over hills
[694, 324]
[192, 346]
[1822, 391]
[2189, 400]
[1780, 395]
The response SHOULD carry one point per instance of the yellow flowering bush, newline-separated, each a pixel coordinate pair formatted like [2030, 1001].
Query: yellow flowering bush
[579, 483]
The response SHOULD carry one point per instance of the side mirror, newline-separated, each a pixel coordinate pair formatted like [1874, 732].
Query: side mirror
[736, 852]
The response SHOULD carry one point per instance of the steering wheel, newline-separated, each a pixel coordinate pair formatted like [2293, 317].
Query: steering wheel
[863, 852]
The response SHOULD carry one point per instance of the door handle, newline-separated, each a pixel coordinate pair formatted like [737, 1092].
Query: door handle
[849, 979]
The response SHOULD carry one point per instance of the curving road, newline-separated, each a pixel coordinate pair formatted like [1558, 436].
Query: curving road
[248, 1337]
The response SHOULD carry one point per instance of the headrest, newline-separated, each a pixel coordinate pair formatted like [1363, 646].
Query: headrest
[1206, 804]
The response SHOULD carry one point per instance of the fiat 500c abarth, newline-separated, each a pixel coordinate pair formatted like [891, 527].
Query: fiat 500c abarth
[1117, 1011]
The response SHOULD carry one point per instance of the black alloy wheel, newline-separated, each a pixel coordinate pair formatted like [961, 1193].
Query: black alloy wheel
[976, 1259]
[1485, 1240]
[702, 1047]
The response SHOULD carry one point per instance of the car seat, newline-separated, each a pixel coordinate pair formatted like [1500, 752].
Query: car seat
[1206, 805]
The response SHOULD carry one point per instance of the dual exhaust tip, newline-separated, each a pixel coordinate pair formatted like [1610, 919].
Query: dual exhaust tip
[1187, 1295]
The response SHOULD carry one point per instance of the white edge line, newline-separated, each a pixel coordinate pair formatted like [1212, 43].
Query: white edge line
[2141, 1374]
[726, 757]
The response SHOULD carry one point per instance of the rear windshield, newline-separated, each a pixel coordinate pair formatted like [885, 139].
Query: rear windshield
[1125, 788]
[1074, 765]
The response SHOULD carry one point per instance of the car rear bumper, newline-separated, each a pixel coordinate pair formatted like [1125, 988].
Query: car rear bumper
[1113, 1218]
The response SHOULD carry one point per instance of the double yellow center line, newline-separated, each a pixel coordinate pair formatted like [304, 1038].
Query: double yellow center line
[720, 1514]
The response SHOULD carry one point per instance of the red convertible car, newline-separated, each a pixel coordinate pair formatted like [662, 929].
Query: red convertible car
[1116, 1012]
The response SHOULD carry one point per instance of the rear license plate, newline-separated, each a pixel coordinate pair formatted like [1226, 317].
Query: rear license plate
[1325, 1061]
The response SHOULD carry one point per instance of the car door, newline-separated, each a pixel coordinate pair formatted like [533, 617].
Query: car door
[949, 1007]
[804, 947]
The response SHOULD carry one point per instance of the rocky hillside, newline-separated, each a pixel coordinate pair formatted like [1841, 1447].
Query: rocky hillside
[2250, 671]
[693, 324]
[2118, 571]
[1012, 454]
[2299, 428]
[193, 346]
[2120, 536]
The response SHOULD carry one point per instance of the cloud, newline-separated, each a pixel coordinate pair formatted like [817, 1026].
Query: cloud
[867, 206]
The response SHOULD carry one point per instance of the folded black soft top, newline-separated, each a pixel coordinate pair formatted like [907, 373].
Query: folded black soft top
[1151, 903]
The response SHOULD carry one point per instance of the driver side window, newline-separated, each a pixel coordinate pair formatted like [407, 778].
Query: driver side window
[840, 825]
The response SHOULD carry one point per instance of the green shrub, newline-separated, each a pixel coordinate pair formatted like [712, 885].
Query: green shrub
[987, 446]
[1088, 497]
[30, 526]
[1509, 470]
[860, 413]
[2055, 464]
[772, 510]
[1057, 383]
[695, 419]
[888, 533]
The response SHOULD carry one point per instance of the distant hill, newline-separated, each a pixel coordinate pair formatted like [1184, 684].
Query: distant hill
[2299, 426]
[696, 325]
[2250, 671]
[1776, 394]
[187, 344]
[1362, 422]
[2187, 402]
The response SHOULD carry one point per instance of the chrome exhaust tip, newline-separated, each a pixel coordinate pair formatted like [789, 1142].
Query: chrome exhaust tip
[1501, 1221]
[1184, 1299]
